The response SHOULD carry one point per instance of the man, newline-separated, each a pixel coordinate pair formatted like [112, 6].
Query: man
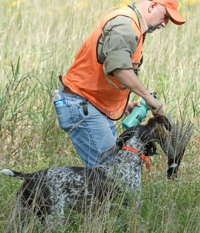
[98, 84]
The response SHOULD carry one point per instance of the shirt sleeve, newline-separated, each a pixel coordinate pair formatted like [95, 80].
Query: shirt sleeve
[117, 44]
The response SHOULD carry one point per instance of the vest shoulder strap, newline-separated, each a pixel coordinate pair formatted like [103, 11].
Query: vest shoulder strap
[125, 11]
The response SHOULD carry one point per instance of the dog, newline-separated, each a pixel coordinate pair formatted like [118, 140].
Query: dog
[47, 192]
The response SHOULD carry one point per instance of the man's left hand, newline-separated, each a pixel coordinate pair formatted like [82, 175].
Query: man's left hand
[130, 106]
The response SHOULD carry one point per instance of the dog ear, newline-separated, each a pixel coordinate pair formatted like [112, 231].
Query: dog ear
[126, 135]
[141, 130]
[150, 148]
[119, 143]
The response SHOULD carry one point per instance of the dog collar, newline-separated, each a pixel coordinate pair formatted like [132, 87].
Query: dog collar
[143, 157]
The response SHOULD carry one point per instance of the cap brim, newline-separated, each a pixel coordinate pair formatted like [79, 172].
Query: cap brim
[175, 17]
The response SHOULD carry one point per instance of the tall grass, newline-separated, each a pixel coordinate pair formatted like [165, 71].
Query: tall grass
[39, 40]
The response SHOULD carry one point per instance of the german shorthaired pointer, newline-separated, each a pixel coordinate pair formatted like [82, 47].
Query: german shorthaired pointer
[47, 192]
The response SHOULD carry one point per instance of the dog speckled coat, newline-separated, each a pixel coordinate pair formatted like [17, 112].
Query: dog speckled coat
[47, 192]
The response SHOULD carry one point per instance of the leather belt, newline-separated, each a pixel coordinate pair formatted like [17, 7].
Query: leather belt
[68, 90]
[83, 104]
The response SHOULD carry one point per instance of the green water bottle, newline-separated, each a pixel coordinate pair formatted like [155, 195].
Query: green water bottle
[137, 114]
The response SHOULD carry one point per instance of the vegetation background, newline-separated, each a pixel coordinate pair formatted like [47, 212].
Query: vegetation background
[39, 40]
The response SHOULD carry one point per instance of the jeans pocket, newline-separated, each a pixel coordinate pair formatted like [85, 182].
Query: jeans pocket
[68, 115]
[63, 116]
[60, 110]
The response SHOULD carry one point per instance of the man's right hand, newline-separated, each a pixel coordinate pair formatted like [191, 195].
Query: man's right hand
[156, 107]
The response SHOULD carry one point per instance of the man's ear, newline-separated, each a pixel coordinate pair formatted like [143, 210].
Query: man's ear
[152, 6]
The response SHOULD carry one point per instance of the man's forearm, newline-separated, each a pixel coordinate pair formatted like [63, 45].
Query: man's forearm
[129, 79]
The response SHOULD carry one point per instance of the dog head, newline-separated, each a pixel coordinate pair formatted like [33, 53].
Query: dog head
[156, 130]
[172, 138]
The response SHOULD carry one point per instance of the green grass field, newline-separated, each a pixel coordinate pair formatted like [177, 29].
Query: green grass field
[39, 40]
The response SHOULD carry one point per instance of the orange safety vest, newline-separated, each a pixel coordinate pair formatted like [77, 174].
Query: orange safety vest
[86, 76]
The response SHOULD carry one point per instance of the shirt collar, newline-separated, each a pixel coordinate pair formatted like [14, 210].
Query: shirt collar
[141, 19]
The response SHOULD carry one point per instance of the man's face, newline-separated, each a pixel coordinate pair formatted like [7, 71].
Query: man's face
[158, 17]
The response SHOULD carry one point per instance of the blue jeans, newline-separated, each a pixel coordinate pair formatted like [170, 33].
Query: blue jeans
[90, 134]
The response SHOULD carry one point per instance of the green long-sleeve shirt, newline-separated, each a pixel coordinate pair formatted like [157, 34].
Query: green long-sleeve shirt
[119, 42]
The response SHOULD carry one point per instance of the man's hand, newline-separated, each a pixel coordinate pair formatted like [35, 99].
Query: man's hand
[130, 106]
[155, 106]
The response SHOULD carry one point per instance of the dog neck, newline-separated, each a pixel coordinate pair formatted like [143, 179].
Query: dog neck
[132, 147]
[143, 157]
